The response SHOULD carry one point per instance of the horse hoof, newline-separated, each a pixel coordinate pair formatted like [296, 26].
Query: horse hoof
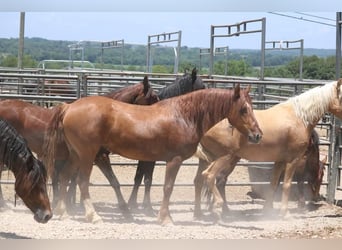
[198, 215]
[133, 204]
[167, 221]
[148, 211]
[64, 216]
[95, 219]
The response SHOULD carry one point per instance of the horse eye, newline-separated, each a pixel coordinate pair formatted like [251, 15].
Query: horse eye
[243, 111]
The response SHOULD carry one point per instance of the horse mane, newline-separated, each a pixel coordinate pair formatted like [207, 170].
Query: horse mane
[114, 94]
[312, 104]
[181, 85]
[16, 155]
[196, 106]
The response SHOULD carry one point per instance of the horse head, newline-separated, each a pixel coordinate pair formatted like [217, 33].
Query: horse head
[197, 82]
[336, 104]
[316, 181]
[148, 96]
[31, 188]
[242, 116]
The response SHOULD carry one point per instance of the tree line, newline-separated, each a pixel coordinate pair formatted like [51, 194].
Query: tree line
[317, 63]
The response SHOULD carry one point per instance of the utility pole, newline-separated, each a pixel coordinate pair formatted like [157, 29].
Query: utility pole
[21, 40]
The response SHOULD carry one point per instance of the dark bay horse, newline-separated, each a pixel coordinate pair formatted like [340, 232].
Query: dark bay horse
[31, 122]
[285, 141]
[169, 131]
[30, 173]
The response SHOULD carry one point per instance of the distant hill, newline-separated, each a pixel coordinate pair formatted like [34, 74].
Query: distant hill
[42, 49]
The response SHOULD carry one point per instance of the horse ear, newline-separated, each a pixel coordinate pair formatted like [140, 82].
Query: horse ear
[194, 74]
[248, 89]
[146, 85]
[237, 91]
[338, 86]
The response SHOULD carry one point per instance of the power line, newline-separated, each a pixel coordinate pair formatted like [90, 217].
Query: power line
[319, 17]
[303, 19]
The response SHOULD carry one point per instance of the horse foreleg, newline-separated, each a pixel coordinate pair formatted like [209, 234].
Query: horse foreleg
[171, 171]
[276, 173]
[139, 174]
[103, 162]
[198, 182]
[289, 172]
[148, 175]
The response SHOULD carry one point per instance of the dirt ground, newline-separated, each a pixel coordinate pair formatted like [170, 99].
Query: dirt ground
[245, 221]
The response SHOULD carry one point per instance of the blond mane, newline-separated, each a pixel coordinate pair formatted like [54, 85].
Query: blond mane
[312, 104]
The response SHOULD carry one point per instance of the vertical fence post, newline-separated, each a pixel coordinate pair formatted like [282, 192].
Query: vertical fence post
[334, 159]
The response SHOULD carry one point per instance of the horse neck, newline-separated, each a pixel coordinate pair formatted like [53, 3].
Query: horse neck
[13, 151]
[205, 108]
[180, 87]
[124, 94]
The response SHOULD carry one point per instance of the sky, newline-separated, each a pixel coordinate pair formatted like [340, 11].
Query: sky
[96, 23]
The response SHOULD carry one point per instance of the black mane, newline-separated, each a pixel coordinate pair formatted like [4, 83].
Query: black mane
[15, 153]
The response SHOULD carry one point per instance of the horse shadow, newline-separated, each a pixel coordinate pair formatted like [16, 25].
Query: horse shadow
[5, 235]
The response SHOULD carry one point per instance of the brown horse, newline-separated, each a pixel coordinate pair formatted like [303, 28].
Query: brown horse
[31, 122]
[287, 127]
[168, 130]
[30, 173]
[182, 85]
[311, 170]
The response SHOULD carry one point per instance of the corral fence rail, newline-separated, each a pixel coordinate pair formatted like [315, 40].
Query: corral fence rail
[50, 87]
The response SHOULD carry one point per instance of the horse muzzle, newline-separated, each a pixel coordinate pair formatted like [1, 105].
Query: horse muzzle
[254, 137]
[42, 216]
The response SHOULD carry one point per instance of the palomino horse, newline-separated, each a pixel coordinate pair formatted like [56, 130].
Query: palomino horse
[287, 127]
[169, 131]
[31, 122]
[311, 169]
[30, 173]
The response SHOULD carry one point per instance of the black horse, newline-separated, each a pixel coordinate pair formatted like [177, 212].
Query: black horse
[29, 172]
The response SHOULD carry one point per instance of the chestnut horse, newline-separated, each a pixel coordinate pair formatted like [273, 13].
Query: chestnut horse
[182, 85]
[169, 131]
[287, 127]
[30, 173]
[31, 122]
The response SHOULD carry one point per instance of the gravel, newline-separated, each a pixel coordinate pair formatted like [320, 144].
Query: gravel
[246, 219]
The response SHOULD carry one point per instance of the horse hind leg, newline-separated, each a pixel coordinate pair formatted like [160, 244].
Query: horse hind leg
[210, 175]
[198, 182]
[221, 181]
[83, 183]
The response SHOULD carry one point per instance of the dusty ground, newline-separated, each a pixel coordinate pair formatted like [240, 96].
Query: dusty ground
[246, 220]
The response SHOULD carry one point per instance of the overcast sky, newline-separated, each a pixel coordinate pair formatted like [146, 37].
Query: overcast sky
[79, 20]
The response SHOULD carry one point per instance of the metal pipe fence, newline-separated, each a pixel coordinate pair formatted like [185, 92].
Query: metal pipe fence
[55, 86]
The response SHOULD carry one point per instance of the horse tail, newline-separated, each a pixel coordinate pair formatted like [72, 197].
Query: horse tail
[54, 134]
